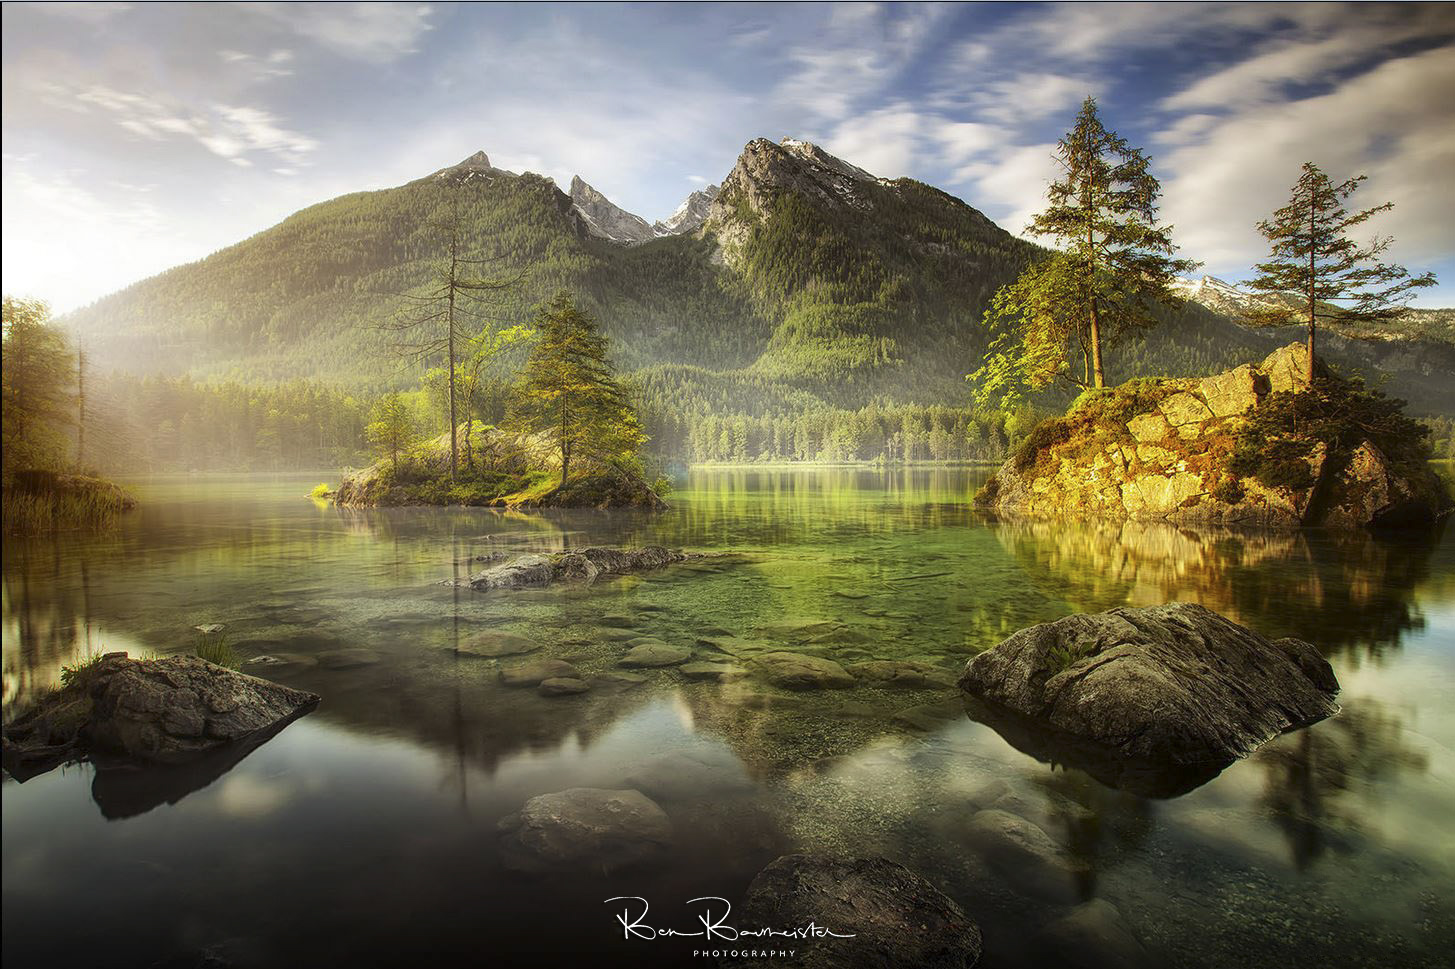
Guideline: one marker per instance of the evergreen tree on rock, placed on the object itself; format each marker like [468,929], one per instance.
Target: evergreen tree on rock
[1113,262]
[569,393]
[1314,258]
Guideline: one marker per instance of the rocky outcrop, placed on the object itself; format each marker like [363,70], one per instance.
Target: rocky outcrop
[1168,685]
[583,565]
[586,829]
[879,913]
[1169,450]
[148,712]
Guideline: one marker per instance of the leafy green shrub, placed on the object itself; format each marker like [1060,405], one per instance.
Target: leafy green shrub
[1276,440]
[1229,491]
[320,491]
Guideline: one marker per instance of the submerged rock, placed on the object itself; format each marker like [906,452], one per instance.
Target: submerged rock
[585,565]
[535,671]
[562,686]
[881,913]
[903,674]
[653,654]
[1173,685]
[585,828]
[798,671]
[492,645]
[1092,936]
[1025,855]
[157,711]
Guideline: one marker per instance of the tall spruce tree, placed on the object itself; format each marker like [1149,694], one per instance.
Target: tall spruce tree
[1114,262]
[569,393]
[1313,257]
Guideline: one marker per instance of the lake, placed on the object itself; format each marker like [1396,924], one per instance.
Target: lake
[367,833]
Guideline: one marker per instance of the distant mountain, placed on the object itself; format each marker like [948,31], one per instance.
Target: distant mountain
[605,219]
[1436,325]
[690,215]
[803,281]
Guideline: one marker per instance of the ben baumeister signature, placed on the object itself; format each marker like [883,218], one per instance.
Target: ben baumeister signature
[633,916]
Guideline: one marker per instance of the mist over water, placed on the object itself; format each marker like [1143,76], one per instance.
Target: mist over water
[366,833]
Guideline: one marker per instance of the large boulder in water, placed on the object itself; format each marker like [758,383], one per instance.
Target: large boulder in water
[150,712]
[1170,685]
[881,913]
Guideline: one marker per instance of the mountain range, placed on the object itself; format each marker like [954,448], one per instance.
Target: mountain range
[802,281]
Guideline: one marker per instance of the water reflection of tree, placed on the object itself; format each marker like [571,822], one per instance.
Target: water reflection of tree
[47,594]
[1089,818]
[1350,593]
[1312,778]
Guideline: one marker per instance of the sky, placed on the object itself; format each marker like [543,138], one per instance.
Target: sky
[140,136]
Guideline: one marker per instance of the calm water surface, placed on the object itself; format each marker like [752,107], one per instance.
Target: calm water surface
[366,833]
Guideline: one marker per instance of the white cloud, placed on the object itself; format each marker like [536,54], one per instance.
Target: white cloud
[230,132]
[374,32]
[1396,122]
[885,142]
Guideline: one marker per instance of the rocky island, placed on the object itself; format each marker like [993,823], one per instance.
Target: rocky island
[506,470]
[1251,446]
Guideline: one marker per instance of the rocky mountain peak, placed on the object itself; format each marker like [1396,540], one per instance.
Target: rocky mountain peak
[603,218]
[477,160]
[690,215]
[766,170]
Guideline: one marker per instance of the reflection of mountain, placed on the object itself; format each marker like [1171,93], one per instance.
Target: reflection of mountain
[1316,780]
[1349,591]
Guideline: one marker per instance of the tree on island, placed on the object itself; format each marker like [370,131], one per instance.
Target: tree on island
[1313,256]
[435,322]
[1113,263]
[569,393]
[392,428]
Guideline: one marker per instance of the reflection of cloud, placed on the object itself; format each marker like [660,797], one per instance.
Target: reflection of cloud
[246,795]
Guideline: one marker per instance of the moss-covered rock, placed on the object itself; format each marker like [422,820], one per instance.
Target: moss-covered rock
[1251,446]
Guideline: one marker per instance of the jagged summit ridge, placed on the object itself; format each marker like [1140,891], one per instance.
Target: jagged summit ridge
[604,218]
[690,215]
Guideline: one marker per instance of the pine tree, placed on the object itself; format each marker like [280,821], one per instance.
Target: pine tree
[1115,261]
[569,392]
[392,429]
[1313,256]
